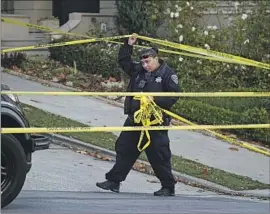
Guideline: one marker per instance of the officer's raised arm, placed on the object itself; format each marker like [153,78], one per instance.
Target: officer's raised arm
[171,84]
[124,56]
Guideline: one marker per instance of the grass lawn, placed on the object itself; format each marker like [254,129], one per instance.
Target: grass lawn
[40,118]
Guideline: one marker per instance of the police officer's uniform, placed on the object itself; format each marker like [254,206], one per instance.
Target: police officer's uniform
[163,79]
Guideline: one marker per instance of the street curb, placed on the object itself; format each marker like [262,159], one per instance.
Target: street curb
[75,144]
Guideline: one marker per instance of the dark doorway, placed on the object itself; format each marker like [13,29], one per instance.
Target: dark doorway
[62,8]
[7,6]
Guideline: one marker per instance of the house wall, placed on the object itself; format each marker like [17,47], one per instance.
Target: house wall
[36,10]
[104,19]
[41,9]
[8,31]
[40,12]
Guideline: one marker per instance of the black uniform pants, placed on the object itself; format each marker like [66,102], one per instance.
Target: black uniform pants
[158,154]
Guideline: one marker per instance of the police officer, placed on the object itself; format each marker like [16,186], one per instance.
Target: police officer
[150,75]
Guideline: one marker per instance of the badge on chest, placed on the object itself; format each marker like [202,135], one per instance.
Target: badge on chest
[147,79]
[158,79]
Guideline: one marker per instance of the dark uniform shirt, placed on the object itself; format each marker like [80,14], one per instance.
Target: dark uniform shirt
[164,79]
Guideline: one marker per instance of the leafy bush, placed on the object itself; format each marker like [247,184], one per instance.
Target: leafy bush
[12,59]
[140,16]
[203,113]
[93,58]
[238,39]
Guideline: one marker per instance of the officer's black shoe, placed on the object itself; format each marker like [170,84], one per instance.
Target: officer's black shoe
[165,192]
[109,185]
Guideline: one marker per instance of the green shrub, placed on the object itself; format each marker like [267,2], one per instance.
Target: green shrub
[93,58]
[12,59]
[237,104]
[205,114]
[247,36]
[142,17]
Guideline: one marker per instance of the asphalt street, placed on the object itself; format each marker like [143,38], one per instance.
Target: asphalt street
[188,144]
[63,181]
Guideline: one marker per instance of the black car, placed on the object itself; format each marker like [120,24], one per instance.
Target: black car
[16,149]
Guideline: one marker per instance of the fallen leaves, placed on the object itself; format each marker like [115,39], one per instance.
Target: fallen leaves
[95,154]
[56,72]
[234,149]
[141,167]
[82,152]
[153,181]
[185,181]
[15,68]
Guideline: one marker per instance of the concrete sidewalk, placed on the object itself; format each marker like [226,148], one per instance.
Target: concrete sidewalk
[188,144]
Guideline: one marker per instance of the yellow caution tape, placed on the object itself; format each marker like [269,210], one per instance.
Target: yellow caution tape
[206,52]
[40,27]
[76,42]
[215,56]
[131,128]
[142,128]
[200,56]
[158,94]
[143,116]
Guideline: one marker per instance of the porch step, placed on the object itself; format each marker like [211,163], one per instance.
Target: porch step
[23,42]
[12,43]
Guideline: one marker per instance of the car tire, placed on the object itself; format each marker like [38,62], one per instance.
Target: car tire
[13,168]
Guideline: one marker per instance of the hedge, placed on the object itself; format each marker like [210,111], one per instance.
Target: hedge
[93,58]
[203,113]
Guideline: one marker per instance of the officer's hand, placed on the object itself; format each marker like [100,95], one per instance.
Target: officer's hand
[132,39]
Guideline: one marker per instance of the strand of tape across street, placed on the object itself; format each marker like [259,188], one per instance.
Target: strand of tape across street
[206,52]
[157,94]
[139,128]
[215,57]
[131,128]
